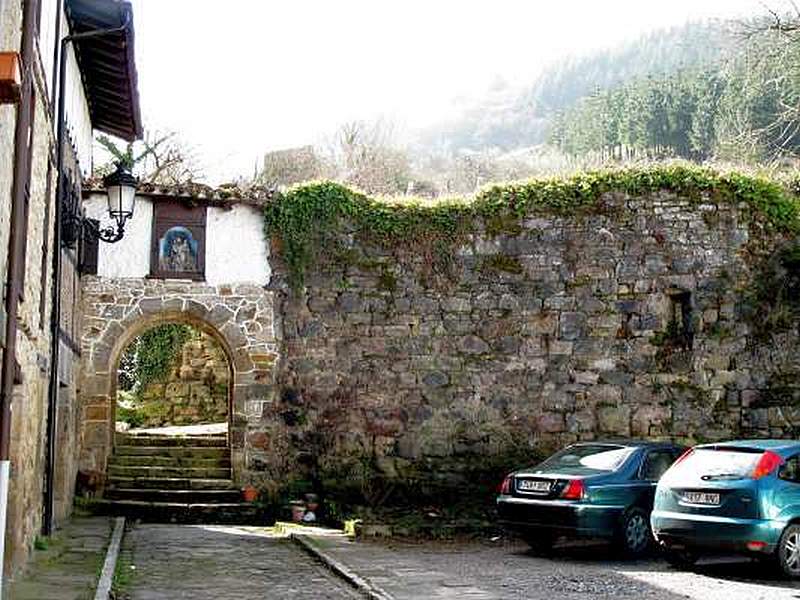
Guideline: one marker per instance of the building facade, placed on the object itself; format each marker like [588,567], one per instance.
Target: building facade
[41,420]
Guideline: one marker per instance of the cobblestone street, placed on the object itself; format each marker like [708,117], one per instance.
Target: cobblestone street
[210,562]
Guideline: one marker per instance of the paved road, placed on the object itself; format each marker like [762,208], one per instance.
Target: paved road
[212,562]
[507,570]
[205,562]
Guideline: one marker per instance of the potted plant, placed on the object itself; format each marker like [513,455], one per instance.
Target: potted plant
[249,493]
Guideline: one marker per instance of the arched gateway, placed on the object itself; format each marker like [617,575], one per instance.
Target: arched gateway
[224,296]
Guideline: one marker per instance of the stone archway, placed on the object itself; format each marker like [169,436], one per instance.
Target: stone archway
[239,318]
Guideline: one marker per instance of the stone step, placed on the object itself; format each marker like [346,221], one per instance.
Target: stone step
[134,460]
[161,472]
[174,452]
[169,483]
[186,496]
[240,513]
[214,441]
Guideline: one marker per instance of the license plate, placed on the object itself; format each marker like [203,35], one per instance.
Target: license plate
[529,485]
[700,498]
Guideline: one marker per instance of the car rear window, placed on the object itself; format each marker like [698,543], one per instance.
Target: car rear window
[717,463]
[600,457]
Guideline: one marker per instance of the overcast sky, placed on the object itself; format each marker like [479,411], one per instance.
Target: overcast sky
[240,77]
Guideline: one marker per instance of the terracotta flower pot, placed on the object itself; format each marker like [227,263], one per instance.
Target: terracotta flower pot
[249,494]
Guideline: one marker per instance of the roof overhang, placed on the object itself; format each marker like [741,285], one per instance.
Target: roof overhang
[107,65]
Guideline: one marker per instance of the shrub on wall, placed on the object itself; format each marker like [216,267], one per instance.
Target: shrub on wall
[308,220]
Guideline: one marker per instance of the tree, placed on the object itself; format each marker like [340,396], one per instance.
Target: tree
[159,158]
[368,157]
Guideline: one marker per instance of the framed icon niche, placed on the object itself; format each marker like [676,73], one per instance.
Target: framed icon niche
[179,241]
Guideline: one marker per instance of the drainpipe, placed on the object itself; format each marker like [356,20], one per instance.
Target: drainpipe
[55,324]
[56,48]
[16,251]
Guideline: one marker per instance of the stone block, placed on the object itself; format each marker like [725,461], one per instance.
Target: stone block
[472,344]
[571,325]
[551,422]
[436,379]
[614,420]
[151,306]
[96,413]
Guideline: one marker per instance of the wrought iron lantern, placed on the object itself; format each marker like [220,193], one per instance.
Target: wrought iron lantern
[121,191]
[121,197]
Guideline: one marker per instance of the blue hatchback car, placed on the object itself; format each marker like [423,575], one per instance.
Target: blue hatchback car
[740,496]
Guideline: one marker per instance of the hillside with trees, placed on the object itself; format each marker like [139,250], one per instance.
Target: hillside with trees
[712,91]
[743,109]
[508,119]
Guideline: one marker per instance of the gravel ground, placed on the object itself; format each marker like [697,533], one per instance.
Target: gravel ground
[507,569]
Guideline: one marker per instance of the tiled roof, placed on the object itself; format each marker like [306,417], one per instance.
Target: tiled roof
[200,193]
[107,65]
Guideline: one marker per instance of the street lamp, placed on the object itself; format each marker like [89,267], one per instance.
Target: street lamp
[121,198]
[121,192]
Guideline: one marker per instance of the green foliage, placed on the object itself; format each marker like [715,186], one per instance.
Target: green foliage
[134,417]
[317,218]
[772,303]
[387,281]
[502,263]
[742,110]
[508,119]
[123,576]
[150,356]
[41,543]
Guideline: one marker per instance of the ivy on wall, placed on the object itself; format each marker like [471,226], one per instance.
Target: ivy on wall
[308,219]
[151,355]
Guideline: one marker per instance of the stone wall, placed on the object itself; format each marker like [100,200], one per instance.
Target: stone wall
[30,396]
[238,317]
[624,321]
[194,391]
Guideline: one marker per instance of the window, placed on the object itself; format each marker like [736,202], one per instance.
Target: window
[679,328]
[656,464]
[179,240]
[600,457]
[790,471]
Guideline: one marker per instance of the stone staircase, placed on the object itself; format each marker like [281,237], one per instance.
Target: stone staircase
[177,479]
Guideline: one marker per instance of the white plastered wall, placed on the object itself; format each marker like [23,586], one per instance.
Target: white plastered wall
[129,257]
[236,250]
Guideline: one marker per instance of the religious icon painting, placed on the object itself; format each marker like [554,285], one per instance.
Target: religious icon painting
[178,250]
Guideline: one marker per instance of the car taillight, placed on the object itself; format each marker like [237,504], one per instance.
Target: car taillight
[574,491]
[768,462]
[505,487]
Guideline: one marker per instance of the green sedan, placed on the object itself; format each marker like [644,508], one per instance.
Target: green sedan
[587,490]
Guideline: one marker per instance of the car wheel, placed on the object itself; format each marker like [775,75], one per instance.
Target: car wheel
[681,559]
[634,533]
[540,543]
[789,551]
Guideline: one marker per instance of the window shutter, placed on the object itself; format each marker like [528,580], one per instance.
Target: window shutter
[90,249]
